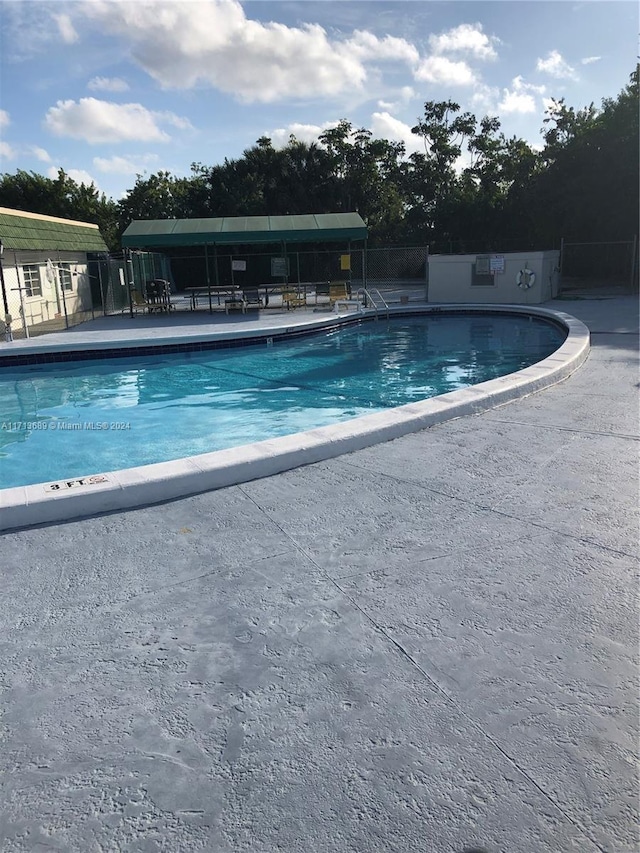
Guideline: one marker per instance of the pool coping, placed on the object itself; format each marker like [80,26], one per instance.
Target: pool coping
[26,506]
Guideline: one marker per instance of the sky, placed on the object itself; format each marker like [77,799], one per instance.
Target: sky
[111,89]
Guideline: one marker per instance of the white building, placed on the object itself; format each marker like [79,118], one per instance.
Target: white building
[521,278]
[45,271]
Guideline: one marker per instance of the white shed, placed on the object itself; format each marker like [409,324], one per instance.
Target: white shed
[521,278]
[45,275]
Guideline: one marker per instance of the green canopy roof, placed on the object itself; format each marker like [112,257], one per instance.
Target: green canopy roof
[234,230]
[38,233]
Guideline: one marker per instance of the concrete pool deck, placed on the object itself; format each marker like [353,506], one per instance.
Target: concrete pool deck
[425,645]
[121,329]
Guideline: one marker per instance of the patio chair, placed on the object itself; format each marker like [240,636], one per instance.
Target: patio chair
[138,303]
[322,289]
[252,297]
[160,294]
[293,300]
[338,291]
[235,301]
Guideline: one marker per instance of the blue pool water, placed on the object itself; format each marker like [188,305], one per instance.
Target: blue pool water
[75,419]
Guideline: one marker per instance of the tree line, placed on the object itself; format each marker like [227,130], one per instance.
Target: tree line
[582,184]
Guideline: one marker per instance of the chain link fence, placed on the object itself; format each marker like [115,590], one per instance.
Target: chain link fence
[387,269]
[488,246]
[246,269]
[123,274]
[607,267]
[48,294]
[399,274]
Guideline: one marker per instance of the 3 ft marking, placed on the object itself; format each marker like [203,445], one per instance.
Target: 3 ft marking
[73,484]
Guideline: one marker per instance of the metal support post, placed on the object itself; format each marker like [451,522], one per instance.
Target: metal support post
[8,334]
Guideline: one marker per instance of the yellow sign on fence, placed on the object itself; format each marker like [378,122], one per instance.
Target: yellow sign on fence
[345,262]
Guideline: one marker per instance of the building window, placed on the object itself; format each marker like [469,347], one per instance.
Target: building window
[481,275]
[32,281]
[64,271]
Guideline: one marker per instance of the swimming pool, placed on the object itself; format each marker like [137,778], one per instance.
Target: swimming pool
[75,419]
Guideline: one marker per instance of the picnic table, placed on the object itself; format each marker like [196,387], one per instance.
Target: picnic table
[216,291]
[220,293]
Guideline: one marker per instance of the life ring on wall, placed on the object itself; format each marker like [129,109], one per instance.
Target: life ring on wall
[525,279]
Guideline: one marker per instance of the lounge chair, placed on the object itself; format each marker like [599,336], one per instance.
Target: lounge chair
[293,300]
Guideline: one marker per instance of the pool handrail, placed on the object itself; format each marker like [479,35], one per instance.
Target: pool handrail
[367,296]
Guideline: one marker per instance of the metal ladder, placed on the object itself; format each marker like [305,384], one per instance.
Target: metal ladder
[369,299]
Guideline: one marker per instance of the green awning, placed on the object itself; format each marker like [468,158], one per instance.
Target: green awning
[37,233]
[234,230]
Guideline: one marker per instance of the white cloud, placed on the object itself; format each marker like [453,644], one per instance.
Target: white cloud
[485,98]
[517,102]
[171,118]
[41,154]
[383,126]
[588,60]
[221,47]
[462,162]
[439,69]
[107,84]
[366,45]
[6,151]
[303,132]
[386,126]
[77,175]
[556,66]
[9,152]
[66,29]
[124,165]
[95,121]
[521,97]
[520,86]
[80,176]
[405,95]
[5,121]
[465,38]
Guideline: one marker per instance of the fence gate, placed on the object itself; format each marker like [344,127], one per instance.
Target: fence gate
[607,267]
[118,273]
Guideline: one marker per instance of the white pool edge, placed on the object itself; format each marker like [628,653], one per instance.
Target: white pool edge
[26,506]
